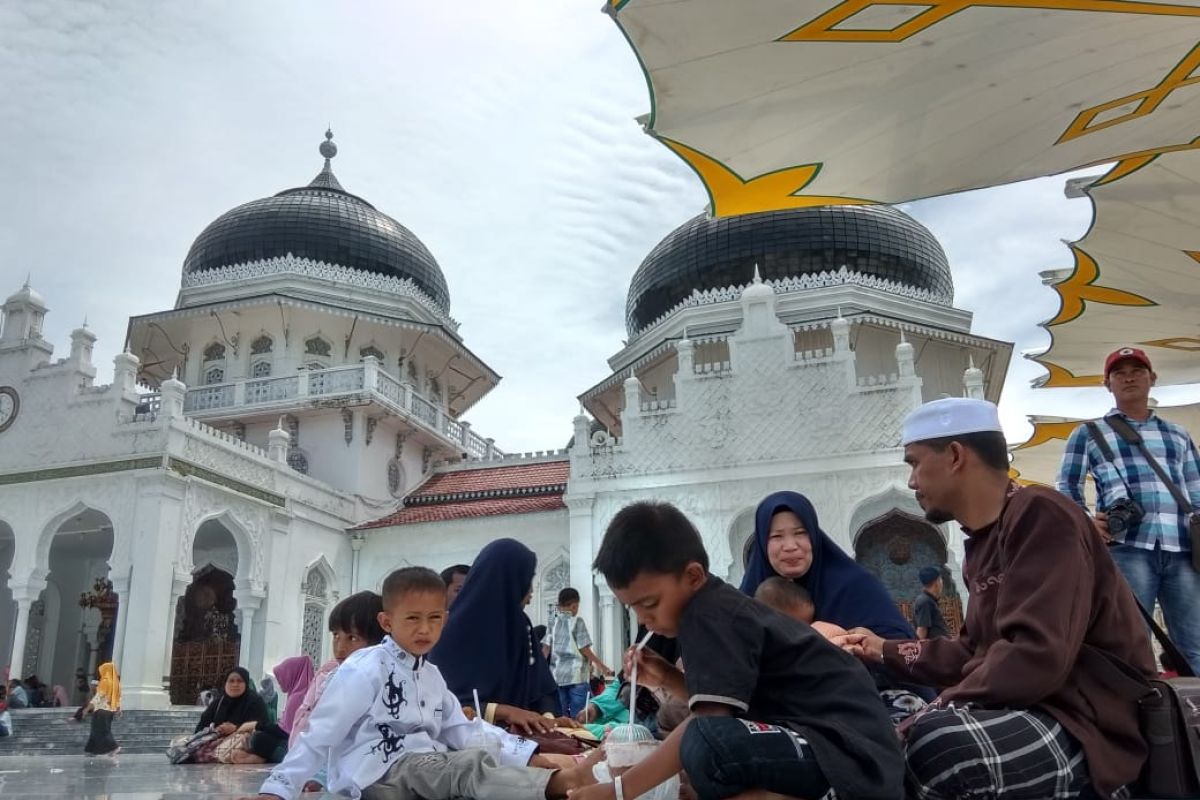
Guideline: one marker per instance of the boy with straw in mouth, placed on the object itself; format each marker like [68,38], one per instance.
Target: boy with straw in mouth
[775,708]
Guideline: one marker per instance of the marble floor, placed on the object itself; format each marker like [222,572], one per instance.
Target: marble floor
[132,777]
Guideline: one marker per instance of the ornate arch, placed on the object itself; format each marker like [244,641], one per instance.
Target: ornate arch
[552,579]
[895,497]
[243,539]
[739,538]
[317,595]
[51,527]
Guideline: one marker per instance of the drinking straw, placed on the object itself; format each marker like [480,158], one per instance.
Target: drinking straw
[478,710]
[633,678]
[587,702]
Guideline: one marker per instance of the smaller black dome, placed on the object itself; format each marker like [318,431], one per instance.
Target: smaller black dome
[714,253]
[321,222]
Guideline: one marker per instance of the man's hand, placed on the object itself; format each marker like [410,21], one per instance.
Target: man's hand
[566,722]
[863,643]
[226,728]
[589,714]
[1101,523]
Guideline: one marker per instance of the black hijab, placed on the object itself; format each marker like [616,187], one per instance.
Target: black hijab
[488,644]
[236,710]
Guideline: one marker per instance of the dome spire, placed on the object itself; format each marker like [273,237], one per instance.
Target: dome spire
[325,178]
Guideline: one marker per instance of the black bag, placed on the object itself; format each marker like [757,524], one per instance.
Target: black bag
[1168,717]
[1126,432]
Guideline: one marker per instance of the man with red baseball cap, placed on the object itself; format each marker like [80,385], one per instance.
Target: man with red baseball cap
[1149,532]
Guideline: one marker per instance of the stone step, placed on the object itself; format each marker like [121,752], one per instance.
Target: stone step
[53,730]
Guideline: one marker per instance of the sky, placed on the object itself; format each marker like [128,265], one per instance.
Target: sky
[502,134]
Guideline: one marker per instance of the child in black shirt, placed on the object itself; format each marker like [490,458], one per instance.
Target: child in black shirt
[775,707]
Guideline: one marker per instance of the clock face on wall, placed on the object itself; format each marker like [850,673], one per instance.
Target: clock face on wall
[10,404]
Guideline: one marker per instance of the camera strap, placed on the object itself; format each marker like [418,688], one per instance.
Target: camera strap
[1126,432]
[1106,451]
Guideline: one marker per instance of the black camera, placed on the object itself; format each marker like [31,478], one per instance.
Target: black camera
[1123,514]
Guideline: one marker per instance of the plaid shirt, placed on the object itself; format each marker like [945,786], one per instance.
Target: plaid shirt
[566,636]
[1164,523]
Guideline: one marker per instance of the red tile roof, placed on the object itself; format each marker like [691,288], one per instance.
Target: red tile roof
[483,492]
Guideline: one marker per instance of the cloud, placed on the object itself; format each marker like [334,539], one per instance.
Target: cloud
[502,135]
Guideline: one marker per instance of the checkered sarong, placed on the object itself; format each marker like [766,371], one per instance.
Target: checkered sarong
[960,752]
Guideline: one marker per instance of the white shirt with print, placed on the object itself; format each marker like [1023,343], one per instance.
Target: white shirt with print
[381,704]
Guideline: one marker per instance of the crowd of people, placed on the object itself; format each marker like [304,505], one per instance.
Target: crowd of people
[805,681]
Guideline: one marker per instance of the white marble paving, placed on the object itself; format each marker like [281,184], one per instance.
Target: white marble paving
[132,777]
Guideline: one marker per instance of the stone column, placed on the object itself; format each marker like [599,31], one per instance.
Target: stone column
[120,583]
[157,516]
[25,593]
[579,533]
[611,646]
[249,599]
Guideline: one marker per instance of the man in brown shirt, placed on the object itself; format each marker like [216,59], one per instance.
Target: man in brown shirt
[1024,712]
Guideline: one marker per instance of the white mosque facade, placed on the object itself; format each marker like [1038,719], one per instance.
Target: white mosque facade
[294,429]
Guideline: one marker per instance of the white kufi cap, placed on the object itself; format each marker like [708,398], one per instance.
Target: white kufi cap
[951,416]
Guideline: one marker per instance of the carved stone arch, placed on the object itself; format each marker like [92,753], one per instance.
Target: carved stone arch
[894,497]
[213,352]
[51,527]
[318,345]
[317,596]
[243,539]
[552,578]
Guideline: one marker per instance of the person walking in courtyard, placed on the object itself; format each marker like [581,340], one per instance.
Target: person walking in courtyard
[1027,711]
[104,705]
[927,614]
[568,647]
[1153,536]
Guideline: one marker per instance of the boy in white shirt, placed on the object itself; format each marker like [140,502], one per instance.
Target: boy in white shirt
[389,729]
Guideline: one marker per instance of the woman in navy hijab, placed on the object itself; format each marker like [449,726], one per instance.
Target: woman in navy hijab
[488,645]
[789,542]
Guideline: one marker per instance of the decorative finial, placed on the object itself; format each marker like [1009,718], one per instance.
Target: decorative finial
[84,321]
[175,372]
[328,148]
[970,361]
[279,427]
[903,338]
[757,276]
[28,278]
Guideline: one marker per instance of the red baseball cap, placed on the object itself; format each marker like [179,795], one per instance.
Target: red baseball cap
[1131,353]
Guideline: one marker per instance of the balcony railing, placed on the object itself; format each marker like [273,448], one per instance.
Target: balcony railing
[264,393]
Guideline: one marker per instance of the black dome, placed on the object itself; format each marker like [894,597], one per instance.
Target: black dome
[321,222]
[706,253]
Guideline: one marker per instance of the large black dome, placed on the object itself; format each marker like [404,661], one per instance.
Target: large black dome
[706,253]
[322,222]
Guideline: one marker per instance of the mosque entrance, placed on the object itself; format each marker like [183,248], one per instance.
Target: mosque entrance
[895,548]
[72,624]
[206,642]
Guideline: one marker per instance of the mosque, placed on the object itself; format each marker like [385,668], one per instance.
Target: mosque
[295,428]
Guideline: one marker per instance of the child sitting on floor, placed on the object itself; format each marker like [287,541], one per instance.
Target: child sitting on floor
[354,623]
[775,708]
[389,727]
[787,597]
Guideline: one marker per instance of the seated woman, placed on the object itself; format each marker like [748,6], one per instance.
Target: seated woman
[235,714]
[488,645]
[789,543]
[270,742]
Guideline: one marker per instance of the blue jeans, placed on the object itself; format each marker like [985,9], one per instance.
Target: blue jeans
[724,756]
[571,698]
[1168,578]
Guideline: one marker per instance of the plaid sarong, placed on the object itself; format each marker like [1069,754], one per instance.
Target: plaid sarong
[961,752]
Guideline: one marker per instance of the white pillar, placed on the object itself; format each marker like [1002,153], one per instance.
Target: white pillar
[25,593]
[18,645]
[610,628]
[178,588]
[249,600]
[120,584]
[356,544]
[579,532]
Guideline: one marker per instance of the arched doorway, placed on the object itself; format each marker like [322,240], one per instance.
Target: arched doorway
[207,641]
[895,547]
[73,623]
